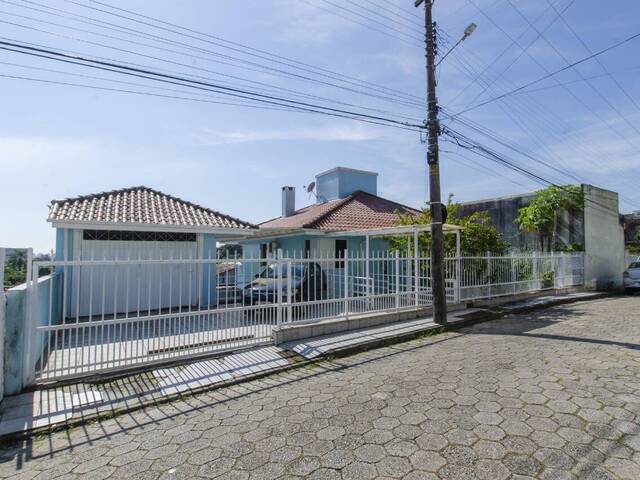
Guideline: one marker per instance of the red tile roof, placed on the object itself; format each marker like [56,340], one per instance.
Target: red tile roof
[360,210]
[139,205]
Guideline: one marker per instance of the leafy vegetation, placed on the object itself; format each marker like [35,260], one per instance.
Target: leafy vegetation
[541,215]
[477,238]
[15,270]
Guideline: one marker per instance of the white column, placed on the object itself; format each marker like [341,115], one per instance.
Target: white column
[458,293]
[416,266]
[346,283]
[366,265]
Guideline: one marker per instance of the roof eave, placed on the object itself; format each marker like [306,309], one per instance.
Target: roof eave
[146,227]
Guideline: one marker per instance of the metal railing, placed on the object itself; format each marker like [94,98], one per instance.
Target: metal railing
[495,276]
[92,316]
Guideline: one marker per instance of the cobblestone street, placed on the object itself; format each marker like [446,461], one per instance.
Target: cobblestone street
[549,394]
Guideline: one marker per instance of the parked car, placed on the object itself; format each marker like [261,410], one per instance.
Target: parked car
[229,294]
[631,278]
[308,283]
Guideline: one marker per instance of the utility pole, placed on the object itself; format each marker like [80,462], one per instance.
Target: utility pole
[433,131]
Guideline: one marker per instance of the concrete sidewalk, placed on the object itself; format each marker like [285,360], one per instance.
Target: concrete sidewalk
[72,405]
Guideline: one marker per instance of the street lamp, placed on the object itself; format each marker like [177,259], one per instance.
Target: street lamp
[467,32]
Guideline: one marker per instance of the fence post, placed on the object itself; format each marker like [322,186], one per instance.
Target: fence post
[346,284]
[513,274]
[458,283]
[416,267]
[31,307]
[536,280]
[489,272]
[279,287]
[289,306]
[397,266]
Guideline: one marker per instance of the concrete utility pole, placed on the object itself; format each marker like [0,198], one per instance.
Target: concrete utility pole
[433,130]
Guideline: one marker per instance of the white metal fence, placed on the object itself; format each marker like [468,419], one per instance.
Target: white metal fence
[630,258]
[100,315]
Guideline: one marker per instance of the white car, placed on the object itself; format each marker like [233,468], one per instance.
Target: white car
[631,278]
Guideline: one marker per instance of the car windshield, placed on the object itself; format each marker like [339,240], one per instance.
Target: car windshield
[634,265]
[272,271]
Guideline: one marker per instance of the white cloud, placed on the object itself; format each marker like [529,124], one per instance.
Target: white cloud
[308,24]
[18,153]
[346,133]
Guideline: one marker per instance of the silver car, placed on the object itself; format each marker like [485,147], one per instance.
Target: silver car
[631,278]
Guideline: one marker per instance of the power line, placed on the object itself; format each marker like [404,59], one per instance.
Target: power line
[515,42]
[235,92]
[150,94]
[400,32]
[411,17]
[607,72]
[272,87]
[410,25]
[596,90]
[121,82]
[573,82]
[247,65]
[220,42]
[362,24]
[546,126]
[552,74]
[478,148]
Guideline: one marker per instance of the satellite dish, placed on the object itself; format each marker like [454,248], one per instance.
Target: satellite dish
[310,187]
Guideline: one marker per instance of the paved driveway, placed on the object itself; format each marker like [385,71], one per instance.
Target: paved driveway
[551,394]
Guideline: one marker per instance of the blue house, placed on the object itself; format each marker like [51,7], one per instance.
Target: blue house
[348,215]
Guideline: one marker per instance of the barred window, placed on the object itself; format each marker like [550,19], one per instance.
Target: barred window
[133,236]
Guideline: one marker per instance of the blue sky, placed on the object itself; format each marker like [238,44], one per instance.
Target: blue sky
[59,141]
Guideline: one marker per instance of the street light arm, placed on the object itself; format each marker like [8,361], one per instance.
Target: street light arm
[467,32]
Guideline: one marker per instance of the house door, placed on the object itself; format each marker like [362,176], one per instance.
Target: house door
[135,287]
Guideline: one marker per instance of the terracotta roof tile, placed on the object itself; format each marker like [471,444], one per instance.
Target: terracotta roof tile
[139,205]
[360,210]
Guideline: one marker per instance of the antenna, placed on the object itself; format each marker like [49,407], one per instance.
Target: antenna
[310,188]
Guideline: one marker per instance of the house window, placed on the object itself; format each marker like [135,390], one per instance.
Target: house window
[132,236]
[307,248]
[341,248]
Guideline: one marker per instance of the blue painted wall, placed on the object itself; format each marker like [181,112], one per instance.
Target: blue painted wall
[338,184]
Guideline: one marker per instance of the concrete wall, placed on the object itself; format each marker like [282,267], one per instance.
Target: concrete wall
[598,229]
[16,327]
[604,239]
[503,212]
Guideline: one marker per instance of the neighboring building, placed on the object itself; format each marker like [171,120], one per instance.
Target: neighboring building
[632,228]
[597,230]
[131,224]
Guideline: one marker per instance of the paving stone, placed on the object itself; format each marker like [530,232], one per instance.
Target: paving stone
[493,405]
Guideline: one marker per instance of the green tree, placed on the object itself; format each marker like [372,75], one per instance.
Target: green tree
[15,270]
[541,215]
[477,237]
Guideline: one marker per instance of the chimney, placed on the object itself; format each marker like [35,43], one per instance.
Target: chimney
[288,201]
